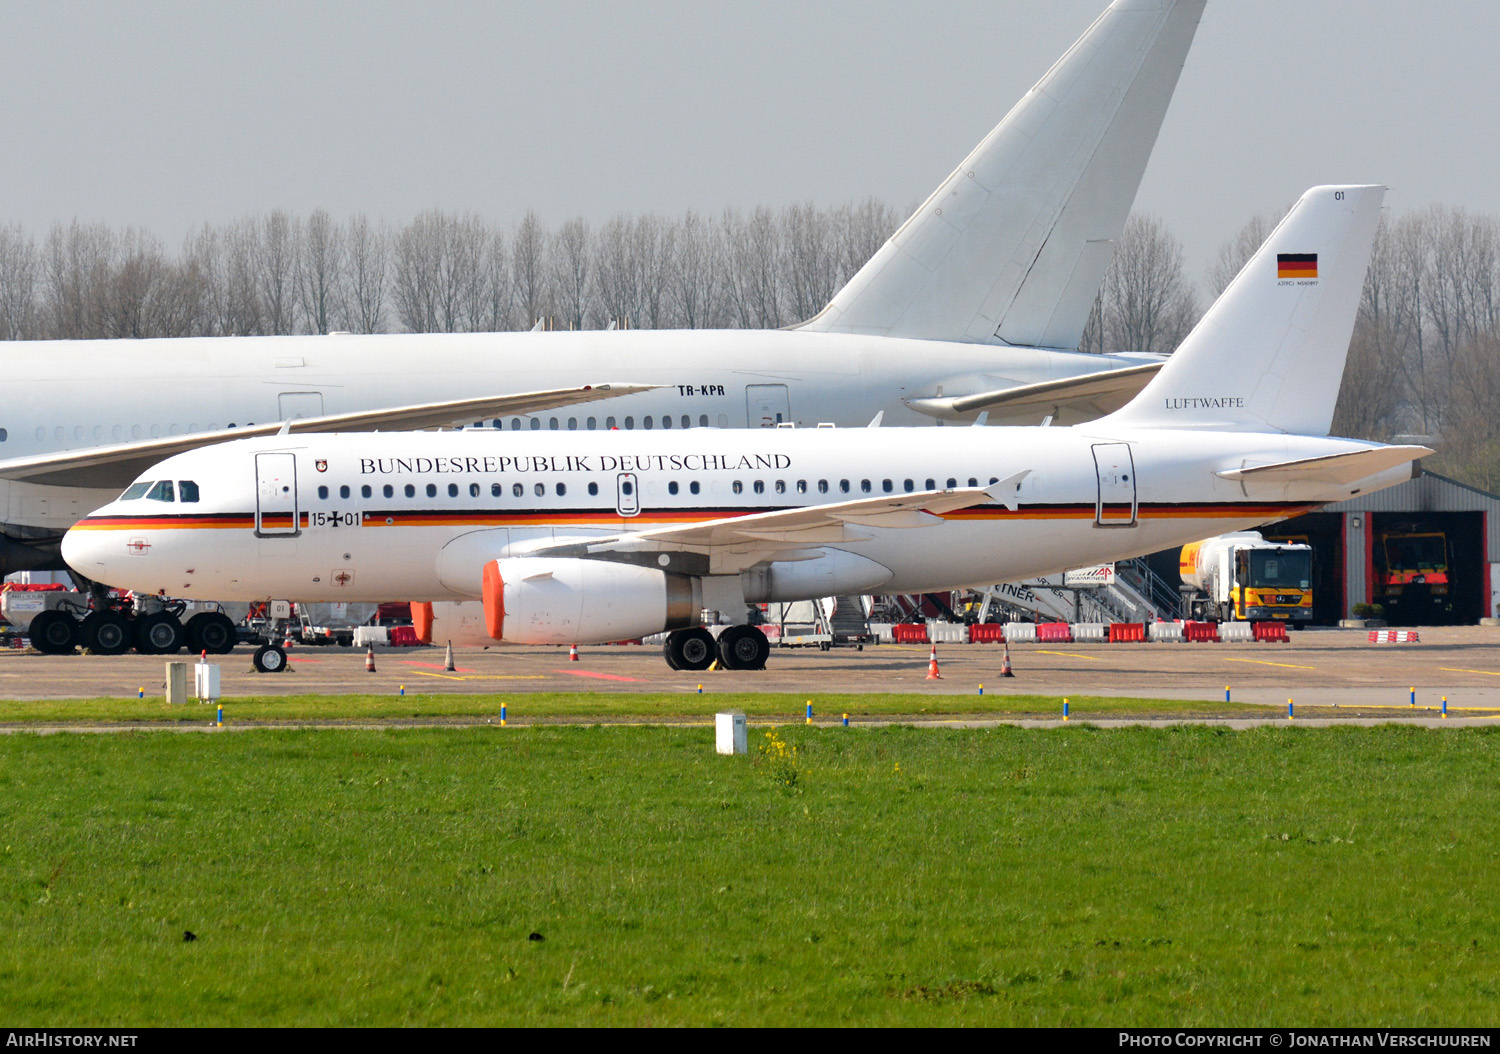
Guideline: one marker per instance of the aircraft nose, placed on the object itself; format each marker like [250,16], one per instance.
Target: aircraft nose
[91,552]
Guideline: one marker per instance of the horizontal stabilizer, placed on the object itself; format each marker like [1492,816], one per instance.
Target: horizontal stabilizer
[117,465]
[1332,468]
[1086,396]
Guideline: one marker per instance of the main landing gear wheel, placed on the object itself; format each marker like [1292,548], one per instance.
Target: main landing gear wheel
[743,648]
[269,658]
[690,649]
[159,634]
[107,633]
[211,631]
[54,633]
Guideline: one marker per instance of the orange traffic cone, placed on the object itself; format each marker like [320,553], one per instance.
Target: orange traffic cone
[448,666]
[370,659]
[932,666]
[1005,670]
[572,653]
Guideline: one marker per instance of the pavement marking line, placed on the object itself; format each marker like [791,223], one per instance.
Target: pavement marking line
[1071,655]
[1263,662]
[432,665]
[1450,669]
[482,677]
[601,676]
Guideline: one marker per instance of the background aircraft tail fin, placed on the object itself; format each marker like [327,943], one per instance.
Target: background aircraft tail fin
[1269,355]
[1011,248]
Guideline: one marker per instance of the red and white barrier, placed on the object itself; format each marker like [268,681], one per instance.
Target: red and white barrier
[1394,636]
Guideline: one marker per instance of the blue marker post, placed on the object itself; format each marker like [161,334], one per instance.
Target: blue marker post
[1445,708]
[403,689]
[1226,693]
[1065,709]
[1413,697]
[140,693]
[502,713]
[219,718]
[981,689]
[700,689]
[846,720]
[809,711]
[1288,709]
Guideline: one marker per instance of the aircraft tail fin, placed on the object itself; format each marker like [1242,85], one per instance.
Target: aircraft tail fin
[1011,248]
[1269,354]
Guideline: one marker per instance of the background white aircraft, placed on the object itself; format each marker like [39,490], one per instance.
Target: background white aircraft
[578,538]
[969,308]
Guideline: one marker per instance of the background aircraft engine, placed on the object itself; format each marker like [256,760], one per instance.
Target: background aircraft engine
[834,573]
[545,600]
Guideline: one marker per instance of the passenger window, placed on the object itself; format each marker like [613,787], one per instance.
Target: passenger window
[886,486]
[822,486]
[952,483]
[630,422]
[994,480]
[496,490]
[593,423]
[666,421]
[411,490]
[364,491]
[909,486]
[540,489]
[536,424]
[973,482]
[760,486]
[473,490]
[781,486]
[802,486]
[703,420]
[562,488]
[344,491]
[517,489]
[693,487]
[161,492]
[609,422]
[515,424]
[187,490]
[736,486]
[432,490]
[552,423]
[322,494]
[572,424]
[843,486]
[931,485]
[593,489]
[687,422]
[864,486]
[672,487]
[646,424]
[389,490]
[136,490]
[453,490]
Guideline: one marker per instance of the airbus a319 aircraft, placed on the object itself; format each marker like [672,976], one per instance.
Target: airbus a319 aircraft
[572,538]
[976,305]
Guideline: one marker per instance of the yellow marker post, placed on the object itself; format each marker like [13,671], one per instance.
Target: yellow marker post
[1288,709]
[1065,709]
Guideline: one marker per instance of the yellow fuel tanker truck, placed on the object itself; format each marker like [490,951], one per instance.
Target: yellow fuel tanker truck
[1241,576]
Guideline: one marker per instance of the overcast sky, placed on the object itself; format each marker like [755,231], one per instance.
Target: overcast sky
[167,115]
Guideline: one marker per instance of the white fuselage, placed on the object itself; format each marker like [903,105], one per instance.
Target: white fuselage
[70,395]
[418,515]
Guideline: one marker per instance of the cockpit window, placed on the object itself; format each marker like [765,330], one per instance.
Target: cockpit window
[136,490]
[162,491]
[187,490]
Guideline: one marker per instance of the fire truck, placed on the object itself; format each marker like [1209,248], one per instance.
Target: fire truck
[1241,576]
[1411,575]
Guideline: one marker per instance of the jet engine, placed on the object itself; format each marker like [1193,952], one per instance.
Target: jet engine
[553,600]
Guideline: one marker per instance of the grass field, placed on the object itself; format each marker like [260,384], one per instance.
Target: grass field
[1182,876]
[648,706]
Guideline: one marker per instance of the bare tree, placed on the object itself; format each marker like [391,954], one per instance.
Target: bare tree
[320,270]
[569,257]
[276,271]
[20,266]
[530,271]
[363,288]
[1236,252]
[1147,304]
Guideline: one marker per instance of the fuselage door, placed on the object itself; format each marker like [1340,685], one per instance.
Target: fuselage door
[627,494]
[294,405]
[1117,494]
[275,494]
[766,405]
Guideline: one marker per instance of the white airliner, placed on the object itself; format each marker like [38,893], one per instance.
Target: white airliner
[970,308]
[580,537]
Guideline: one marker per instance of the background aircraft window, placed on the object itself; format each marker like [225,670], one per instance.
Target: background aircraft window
[411,490]
[843,486]
[432,490]
[693,486]
[952,483]
[994,480]
[802,486]
[909,486]
[687,422]
[672,487]
[703,420]
[41,433]
[155,432]
[515,424]
[973,482]
[781,486]
[540,489]
[647,422]
[322,493]
[630,422]
[114,433]
[572,424]
[593,489]
[135,490]
[562,488]
[135,431]
[864,486]
[453,490]
[609,422]
[736,486]
[723,420]
[161,492]
[822,486]
[931,485]
[344,491]
[98,432]
[78,431]
[58,433]
[760,486]
[536,424]
[495,490]
[592,423]
[886,486]
[552,423]
[364,491]
[666,420]
[517,490]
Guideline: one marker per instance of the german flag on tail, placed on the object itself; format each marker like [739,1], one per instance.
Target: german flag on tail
[1296,265]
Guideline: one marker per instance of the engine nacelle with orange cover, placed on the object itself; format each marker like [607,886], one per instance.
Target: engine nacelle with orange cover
[556,600]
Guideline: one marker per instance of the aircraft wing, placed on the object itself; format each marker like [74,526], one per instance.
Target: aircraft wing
[1332,468]
[118,464]
[1091,395]
[786,534]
